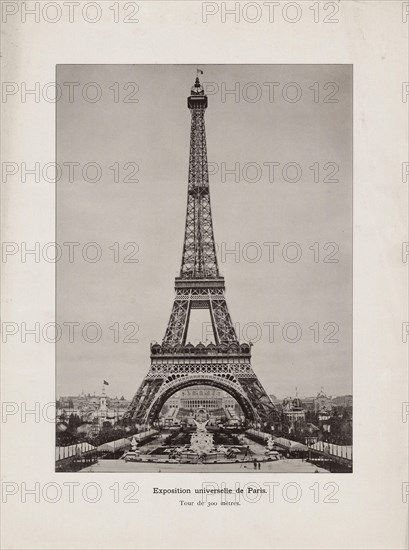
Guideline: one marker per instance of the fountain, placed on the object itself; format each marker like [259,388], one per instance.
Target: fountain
[203,446]
[201,441]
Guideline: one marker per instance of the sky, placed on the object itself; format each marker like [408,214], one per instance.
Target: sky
[132,122]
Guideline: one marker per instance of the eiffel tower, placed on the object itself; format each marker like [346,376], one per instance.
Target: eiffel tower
[175,364]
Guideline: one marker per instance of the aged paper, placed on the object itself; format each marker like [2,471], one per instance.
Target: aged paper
[204,275]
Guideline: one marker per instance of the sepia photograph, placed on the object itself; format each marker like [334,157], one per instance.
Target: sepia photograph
[204,278]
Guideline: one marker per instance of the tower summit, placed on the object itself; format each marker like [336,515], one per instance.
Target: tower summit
[176,364]
[199,252]
[199,285]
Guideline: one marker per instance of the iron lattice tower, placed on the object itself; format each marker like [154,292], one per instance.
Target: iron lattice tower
[176,364]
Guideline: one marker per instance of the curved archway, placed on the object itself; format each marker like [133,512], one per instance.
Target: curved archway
[182,383]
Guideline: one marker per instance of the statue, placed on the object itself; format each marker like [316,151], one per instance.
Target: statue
[200,426]
[270,443]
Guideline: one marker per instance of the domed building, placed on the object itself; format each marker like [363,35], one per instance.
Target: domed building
[293,409]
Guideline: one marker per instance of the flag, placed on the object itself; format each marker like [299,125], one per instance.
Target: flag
[199,71]
[106,383]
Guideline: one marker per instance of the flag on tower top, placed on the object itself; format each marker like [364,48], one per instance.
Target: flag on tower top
[106,383]
[199,71]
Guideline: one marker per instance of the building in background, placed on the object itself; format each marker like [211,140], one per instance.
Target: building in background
[343,401]
[95,409]
[184,406]
[323,403]
[293,409]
